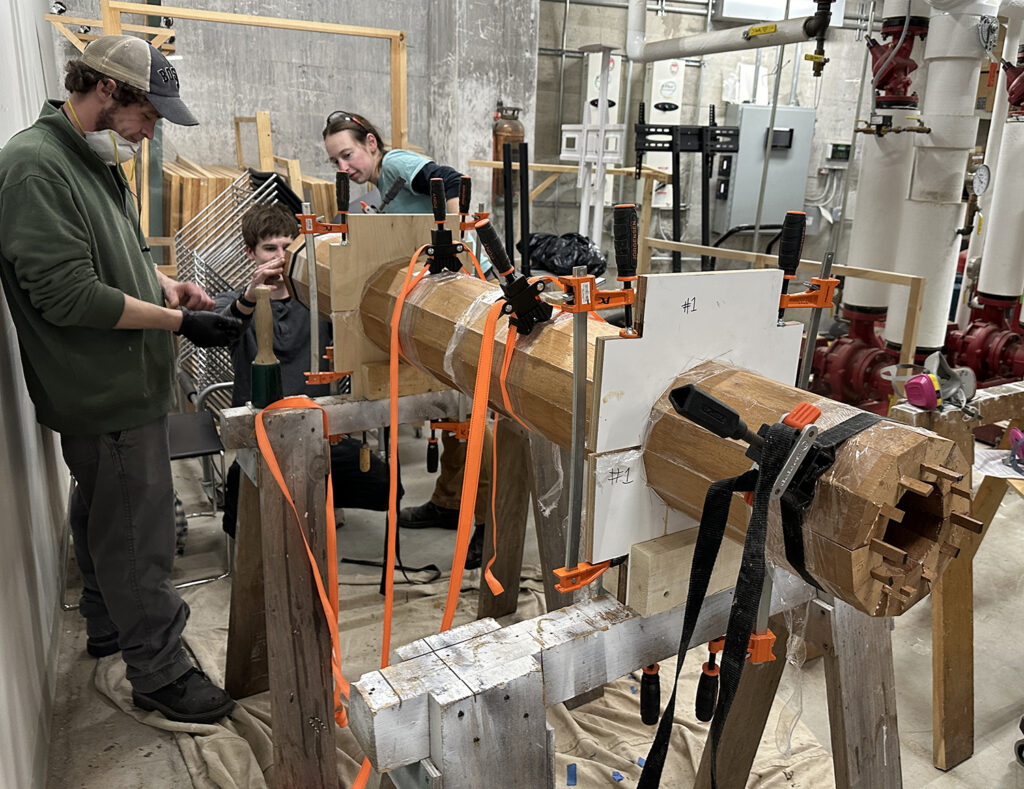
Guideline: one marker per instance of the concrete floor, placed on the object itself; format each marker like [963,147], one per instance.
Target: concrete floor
[95,746]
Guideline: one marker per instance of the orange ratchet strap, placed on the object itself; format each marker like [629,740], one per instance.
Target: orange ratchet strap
[471,475]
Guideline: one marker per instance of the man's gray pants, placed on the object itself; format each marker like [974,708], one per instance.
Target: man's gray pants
[122,520]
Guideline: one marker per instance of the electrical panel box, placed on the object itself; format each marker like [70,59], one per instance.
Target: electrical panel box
[664,102]
[738,175]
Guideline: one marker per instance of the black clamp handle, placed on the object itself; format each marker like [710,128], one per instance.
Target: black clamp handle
[465,194]
[342,191]
[625,231]
[437,200]
[791,247]
[712,414]
[523,303]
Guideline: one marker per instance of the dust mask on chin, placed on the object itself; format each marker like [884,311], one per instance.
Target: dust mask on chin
[111,147]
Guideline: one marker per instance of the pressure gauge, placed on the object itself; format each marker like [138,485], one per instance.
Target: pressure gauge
[981,180]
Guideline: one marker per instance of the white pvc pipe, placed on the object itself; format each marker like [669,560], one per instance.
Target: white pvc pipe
[639,50]
[929,246]
[882,189]
[1003,195]
[1002,268]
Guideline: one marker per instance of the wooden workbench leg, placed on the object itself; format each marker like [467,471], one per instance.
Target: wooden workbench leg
[298,639]
[953,640]
[747,718]
[861,693]
[550,467]
[245,672]
[511,479]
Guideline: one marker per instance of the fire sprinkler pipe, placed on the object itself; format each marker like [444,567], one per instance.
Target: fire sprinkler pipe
[735,39]
[928,244]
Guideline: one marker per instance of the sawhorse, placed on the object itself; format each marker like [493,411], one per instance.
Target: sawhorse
[953,596]
[278,638]
[469,703]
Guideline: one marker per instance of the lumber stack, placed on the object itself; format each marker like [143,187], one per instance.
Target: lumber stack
[886,519]
[189,188]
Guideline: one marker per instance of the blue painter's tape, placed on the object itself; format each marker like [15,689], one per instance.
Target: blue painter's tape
[616,776]
[570,774]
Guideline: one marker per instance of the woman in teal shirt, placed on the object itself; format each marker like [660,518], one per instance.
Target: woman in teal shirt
[355,147]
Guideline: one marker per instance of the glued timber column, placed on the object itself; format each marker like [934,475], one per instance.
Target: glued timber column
[885,518]
[883,524]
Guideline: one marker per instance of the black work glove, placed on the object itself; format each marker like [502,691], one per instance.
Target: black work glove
[209,329]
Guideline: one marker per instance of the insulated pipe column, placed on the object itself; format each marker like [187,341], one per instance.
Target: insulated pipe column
[881,192]
[929,245]
[1002,275]
[882,188]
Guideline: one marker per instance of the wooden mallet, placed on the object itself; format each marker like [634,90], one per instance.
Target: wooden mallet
[266,370]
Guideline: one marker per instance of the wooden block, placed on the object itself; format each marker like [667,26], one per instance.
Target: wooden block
[891,512]
[882,574]
[411,380]
[972,525]
[949,549]
[941,472]
[659,571]
[916,486]
[963,493]
[890,552]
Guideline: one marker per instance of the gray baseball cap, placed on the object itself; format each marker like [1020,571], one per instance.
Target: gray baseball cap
[135,62]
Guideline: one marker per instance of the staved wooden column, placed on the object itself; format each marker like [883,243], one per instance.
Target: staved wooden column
[886,519]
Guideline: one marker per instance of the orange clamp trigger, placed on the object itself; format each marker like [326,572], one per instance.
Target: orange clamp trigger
[459,429]
[803,415]
[583,574]
[717,645]
[761,647]
[748,497]
[323,378]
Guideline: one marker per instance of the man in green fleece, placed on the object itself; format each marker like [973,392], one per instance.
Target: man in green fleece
[95,338]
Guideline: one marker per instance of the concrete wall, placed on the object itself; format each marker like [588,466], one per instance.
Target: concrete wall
[33,486]
[463,55]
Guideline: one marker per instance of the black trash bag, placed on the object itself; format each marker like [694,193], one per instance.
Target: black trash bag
[559,254]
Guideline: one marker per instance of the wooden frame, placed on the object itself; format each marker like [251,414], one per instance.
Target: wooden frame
[112,10]
[264,143]
[161,36]
[563,169]
[761,260]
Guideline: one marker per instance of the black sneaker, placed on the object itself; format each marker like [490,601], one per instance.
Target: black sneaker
[475,554]
[428,516]
[191,698]
[103,646]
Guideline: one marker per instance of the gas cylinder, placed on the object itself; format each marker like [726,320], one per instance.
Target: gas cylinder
[507,128]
